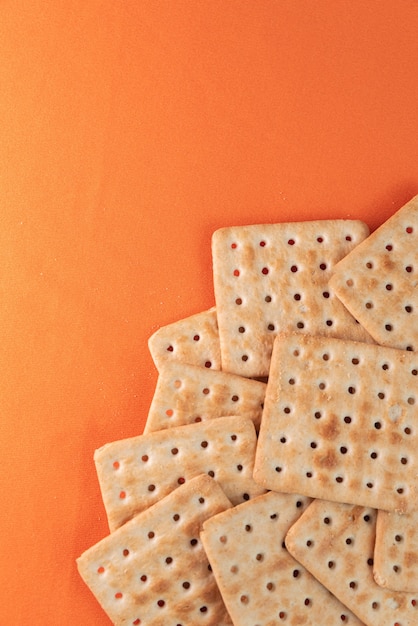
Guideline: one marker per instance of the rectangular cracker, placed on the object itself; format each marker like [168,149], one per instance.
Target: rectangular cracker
[270,278]
[194,339]
[339,419]
[153,571]
[135,473]
[260,582]
[377,281]
[335,542]
[396,551]
[187,393]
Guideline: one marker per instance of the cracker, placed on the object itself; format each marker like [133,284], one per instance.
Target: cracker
[153,571]
[137,472]
[335,542]
[194,339]
[377,281]
[396,551]
[187,393]
[260,582]
[339,422]
[273,278]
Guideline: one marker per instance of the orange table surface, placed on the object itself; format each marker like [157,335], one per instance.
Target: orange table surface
[130,131]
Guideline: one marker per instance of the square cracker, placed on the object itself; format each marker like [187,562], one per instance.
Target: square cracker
[135,473]
[396,551]
[153,571]
[273,278]
[194,339]
[377,281]
[335,542]
[260,582]
[340,423]
[187,393]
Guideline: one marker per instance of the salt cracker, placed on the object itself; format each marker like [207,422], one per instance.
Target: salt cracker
[187,393]
[273,278]
[377,281]
[135,473]
[153,571]
[260,582]
[335,542]
[396,551]
[194,339]
[339,422]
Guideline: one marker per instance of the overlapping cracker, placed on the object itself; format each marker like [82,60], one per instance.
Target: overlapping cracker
[396,551]
[273,278]
[187,393]
[194,340]
[378,280]
[335,542]
[135,473]
[340,422]
[153,571]
[260,582]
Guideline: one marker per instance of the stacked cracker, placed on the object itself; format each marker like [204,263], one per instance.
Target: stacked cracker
[276,480]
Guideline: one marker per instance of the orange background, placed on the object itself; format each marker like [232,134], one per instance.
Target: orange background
[130,130]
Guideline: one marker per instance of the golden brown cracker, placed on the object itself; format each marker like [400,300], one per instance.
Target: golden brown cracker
[135,473]
[194,339]
[274,277]
[377,281]
[260,582]
[187,393]
[339,422]
[335,542]
[153,571]
[396,551]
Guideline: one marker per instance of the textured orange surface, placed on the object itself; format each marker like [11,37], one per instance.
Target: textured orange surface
[129,132]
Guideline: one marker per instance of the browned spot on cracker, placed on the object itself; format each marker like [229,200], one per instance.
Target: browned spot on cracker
[248,254]
[323,479]
[160,585]
[327,460]
[330,428]
[280,564]
[365,408]
[410,558]
[371,284]
[387,263]
[311,257]
[395,438]
[299,620]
